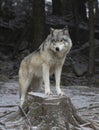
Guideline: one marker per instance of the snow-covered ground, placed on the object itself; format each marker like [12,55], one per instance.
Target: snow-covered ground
[85,99]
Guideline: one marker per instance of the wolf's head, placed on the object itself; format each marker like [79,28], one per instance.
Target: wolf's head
[60,40]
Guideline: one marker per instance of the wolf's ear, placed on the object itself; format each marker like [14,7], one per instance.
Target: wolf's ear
[65,31]
[52,31]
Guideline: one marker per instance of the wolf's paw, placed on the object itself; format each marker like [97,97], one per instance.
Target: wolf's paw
[49,93]
[60,93]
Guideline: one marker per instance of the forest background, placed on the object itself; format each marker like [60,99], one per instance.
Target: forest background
[24,24]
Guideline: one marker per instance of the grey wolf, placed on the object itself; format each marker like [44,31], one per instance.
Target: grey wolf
[47,60]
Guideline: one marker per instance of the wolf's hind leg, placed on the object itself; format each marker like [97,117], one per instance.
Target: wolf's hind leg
[24,89]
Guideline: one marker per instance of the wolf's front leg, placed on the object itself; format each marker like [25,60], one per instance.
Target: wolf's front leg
[57,78]
[46,78]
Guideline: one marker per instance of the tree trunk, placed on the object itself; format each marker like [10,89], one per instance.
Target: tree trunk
[96,13]
[96,6]
[56,7]
[66,7]
[41,112]
[82,10]
[38,23]
[91,39]
[76,19]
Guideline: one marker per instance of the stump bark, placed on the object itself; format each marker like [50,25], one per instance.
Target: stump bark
[41,112]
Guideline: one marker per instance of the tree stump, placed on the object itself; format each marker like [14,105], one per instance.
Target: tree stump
[41,112]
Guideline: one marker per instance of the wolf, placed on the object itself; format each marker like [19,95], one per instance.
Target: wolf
[48,59]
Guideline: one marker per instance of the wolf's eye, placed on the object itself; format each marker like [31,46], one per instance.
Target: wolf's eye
[53,40]
[65,40]
[61,40]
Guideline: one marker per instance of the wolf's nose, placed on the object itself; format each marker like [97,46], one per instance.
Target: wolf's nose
[57,49]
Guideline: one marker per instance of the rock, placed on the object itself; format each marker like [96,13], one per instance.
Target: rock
[80,68]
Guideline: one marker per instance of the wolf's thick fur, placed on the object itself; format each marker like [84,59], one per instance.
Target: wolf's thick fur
[48,59]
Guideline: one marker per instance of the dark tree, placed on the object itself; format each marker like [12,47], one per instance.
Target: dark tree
[97,12]
[0,7]
[56,7]
[79,15]
[91,39]
[96,5]
[82,9]
[76,19]
[38,23]
[66,7]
